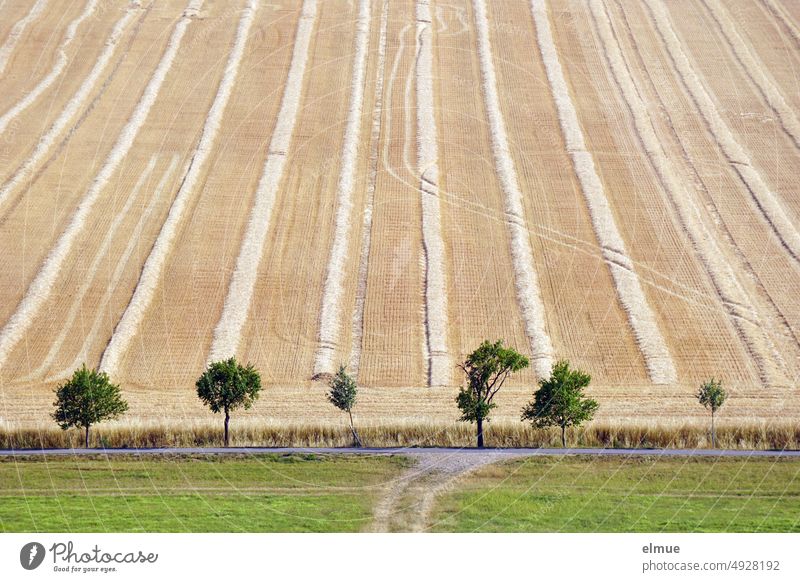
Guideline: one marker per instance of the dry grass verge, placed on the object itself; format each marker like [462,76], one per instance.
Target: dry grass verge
[741,435]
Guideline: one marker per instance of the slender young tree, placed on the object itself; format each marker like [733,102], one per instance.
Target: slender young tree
[226,386]
[712,396]
[342,394]
[560,401]
[486,369]
[86,399]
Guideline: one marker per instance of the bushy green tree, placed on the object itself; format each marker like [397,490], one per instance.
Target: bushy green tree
[342,394]
[486,369]
[712,396]
[86,399]
[560,401]
[227,385]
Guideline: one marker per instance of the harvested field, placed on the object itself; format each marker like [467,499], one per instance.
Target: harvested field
[386,183]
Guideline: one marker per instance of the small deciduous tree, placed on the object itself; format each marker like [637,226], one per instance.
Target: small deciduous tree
[560,401]
[712,396]
[227,385]
[342,394]
[487,368]
[86,399]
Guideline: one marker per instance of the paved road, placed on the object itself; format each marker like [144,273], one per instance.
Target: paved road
[510,453]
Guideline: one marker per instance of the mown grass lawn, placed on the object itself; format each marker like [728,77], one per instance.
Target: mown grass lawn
[582,494]
[265,493]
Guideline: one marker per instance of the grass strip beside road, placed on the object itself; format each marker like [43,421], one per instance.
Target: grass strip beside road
[644,494]
[259,493]
[326,492]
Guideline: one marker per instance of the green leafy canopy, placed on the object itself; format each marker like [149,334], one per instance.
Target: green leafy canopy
[87,398]
[486,369]
[560,401]
[712,395]
[343,390]
[227,385]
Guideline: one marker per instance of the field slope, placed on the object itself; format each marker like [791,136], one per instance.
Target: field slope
[386,184]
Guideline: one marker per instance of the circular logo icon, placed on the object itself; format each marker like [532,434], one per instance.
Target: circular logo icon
[31,555]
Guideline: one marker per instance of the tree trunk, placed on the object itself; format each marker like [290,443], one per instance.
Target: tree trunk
[713,432]
[227,420]
[356,440]
[86,441]
[564,436]
[480,433]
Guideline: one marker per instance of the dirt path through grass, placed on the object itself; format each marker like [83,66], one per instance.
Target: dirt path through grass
[407,501]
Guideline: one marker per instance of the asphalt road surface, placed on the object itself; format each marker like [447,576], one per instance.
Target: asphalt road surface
[510,453]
